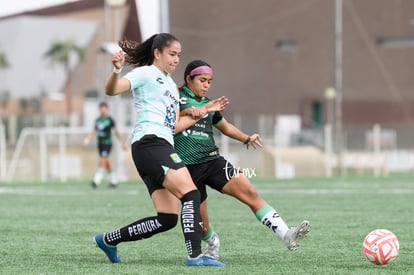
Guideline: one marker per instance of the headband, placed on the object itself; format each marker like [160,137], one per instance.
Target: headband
[201,70]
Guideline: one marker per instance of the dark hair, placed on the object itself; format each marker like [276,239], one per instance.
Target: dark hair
[191,66]
[103,104]
[143,54]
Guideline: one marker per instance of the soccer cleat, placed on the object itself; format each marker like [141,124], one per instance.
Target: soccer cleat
[94,185]
[295,235]
[113,185]
[213,247]
[203,260]
[109,250]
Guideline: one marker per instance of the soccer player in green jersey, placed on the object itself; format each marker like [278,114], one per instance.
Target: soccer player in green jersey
[104,125]
[196,147]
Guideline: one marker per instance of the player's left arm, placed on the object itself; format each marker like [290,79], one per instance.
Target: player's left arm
[233,132]
[120,138]
[184,121]
[215,105]
[189,116]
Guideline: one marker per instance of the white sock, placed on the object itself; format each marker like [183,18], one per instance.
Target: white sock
[269,217]
[113,178]
[99,175]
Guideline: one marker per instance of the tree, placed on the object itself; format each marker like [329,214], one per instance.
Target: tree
[3,61]
[59,53]
[4,94]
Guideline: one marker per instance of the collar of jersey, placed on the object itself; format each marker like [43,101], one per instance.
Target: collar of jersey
[188,91]
[159,71]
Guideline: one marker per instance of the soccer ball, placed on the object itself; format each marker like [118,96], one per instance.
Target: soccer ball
[380,246]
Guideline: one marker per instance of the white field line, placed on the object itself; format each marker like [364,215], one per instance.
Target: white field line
[337,191]
[43,192]
[275,190]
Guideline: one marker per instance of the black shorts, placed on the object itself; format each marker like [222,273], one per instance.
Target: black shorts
[153,156]
[214,173]
[104,150]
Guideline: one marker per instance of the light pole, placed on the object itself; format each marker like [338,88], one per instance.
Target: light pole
[116,6]
[164,16]
[338,81]
[330,95]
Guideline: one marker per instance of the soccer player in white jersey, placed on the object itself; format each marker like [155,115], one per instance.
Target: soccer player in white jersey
[156,103]
[197,148]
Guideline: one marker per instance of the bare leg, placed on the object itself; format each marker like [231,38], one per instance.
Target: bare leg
[179,182]
[241,188]
[204,217]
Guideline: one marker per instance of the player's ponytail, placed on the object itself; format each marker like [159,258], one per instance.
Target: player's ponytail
[143,54]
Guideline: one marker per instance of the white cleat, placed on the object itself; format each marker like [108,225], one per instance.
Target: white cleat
[296,234]
[213,247]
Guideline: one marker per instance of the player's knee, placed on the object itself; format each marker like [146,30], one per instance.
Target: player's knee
[168,221]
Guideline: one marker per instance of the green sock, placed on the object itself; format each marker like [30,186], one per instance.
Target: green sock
[268,216]
[207,237]
[263,211]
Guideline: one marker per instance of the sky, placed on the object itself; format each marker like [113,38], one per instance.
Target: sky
[8,7]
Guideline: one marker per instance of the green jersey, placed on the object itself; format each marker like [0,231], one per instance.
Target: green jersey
[196,144]
[103,127]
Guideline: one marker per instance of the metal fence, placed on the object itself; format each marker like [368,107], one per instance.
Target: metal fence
[55,153]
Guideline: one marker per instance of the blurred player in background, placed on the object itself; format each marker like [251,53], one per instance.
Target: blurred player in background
[197,148]
[104,125]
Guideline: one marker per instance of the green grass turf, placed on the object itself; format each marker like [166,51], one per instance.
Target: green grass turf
[48,228]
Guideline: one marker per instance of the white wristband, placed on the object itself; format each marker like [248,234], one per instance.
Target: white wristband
[117,71]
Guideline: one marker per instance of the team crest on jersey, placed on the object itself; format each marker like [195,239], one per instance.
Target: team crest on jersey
[170,117]
[175,158]
[159,80]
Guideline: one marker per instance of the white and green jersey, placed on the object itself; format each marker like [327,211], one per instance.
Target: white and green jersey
[103,127]
[196,144]
[156,102]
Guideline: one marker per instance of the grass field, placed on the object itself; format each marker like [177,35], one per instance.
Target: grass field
[48,228]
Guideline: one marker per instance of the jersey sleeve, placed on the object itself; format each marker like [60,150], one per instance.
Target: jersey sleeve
[217,117]
[113,125]
[137,78]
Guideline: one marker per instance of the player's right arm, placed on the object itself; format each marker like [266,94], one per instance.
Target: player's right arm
[114,84]
[88,138]
[233,132]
